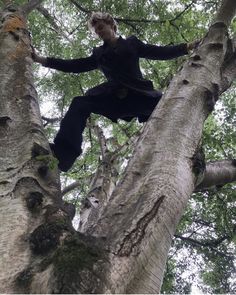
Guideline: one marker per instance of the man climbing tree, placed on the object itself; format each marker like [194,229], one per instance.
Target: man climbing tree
[126,94]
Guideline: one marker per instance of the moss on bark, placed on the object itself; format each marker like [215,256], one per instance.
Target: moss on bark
[76,262]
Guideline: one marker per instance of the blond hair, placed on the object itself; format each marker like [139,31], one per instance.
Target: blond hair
[106,17]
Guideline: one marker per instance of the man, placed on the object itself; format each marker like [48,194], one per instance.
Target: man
[125,95]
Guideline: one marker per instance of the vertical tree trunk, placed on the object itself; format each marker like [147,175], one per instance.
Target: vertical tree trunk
[27,185]
[146,207]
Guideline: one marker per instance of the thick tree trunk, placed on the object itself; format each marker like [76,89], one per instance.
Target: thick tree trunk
[28,188]
[126,250]
[146,207]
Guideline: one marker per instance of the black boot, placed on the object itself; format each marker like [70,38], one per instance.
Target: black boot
[65,155]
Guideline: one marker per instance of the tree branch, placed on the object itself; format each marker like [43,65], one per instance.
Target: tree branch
[212,244]
[80,7]
[71,187]
[31,5]
[49,120]
[218,173]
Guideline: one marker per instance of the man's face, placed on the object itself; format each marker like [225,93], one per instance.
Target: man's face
[103,30]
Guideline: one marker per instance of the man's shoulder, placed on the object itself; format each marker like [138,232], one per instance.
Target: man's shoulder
[132,37]
[134,40]
[98,49]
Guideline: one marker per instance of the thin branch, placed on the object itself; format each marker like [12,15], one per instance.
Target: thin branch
[50,120]
[129,21]
[80,7]
[211,244]
[185,9]
[102,141]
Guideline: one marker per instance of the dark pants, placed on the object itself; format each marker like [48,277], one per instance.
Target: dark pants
[67,143]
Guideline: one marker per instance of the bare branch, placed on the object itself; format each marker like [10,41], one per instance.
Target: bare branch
[31,5]
[50,120]
[80,7]
[212,244]
[218,173]
[184,10]
[129,21]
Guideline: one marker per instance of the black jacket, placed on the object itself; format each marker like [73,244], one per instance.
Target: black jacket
[120,64]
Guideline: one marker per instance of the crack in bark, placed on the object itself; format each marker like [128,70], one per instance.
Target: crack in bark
[134,238]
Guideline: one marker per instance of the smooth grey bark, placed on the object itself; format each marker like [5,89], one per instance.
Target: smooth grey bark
[126,250]
[218,173]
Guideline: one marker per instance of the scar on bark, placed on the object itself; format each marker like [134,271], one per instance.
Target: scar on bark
[4,121]
[79,255]
[43,155]
[24,279]
[199,164]
[46,237]
[134,238]
[34,201]
[211,97]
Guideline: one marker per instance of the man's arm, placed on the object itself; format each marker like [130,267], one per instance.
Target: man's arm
[161,52]
[67,65]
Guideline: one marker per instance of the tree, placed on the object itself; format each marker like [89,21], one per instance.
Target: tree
[126,238]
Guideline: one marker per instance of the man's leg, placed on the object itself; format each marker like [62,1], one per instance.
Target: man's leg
[67,143]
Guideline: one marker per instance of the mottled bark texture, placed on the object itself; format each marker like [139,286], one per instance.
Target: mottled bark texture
[125,251]
[31,212]
[101,186]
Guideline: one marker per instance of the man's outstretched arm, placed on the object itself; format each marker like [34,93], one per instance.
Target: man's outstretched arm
[67,65]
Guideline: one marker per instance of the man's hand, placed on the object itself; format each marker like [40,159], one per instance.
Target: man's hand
[193,45]
[36,58]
